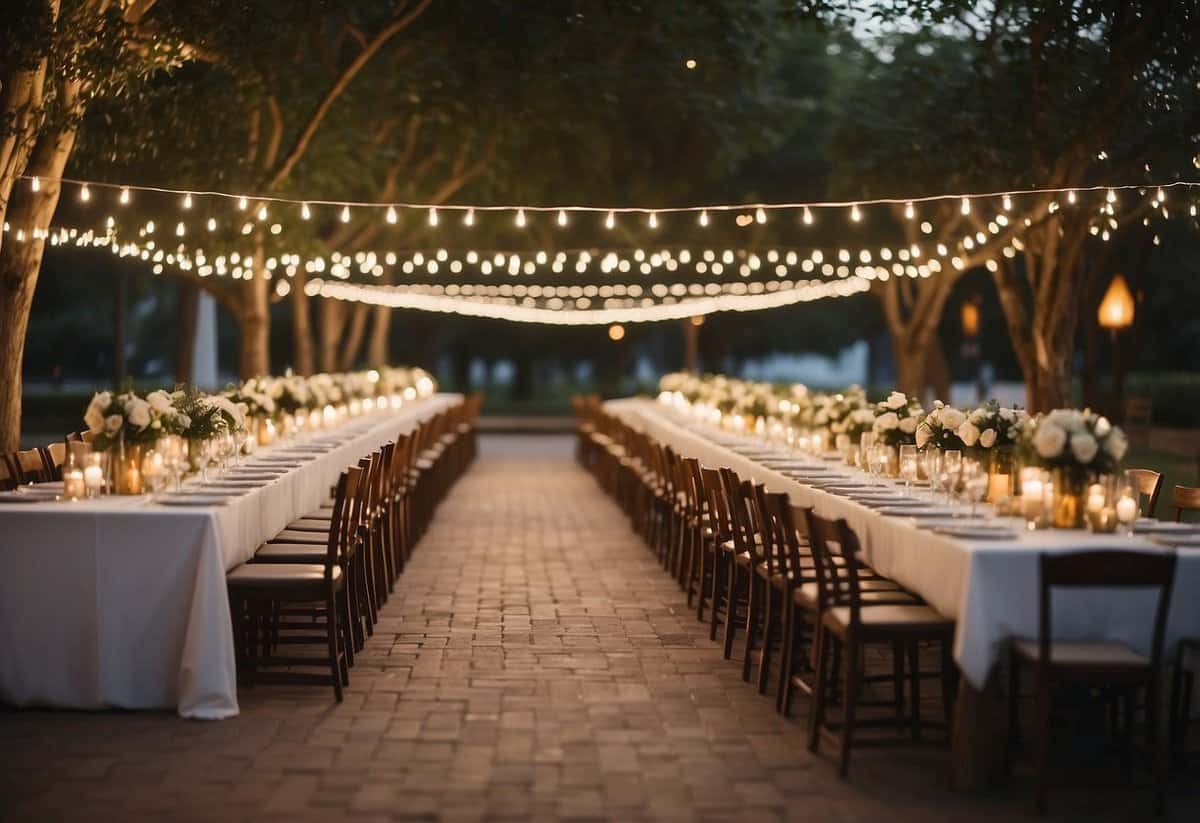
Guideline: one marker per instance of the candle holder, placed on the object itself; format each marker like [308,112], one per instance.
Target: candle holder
[1100,510]
[94,474]
[1037,498]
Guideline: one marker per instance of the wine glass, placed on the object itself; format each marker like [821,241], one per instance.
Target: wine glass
[931,466]
[844,446]
[203,455]
[908,464]
[951,469]
[877,458]
[975,483]
[864,450]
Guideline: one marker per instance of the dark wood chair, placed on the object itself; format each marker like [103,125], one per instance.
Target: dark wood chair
[27,466]
[1183,684]
[1146,483]
[258,591]
[847,624]
[1110,664]
[1185,499]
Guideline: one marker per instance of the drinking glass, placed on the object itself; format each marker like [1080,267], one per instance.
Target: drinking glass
[908,464]
[931,466]
[951,469]
[878,458]
[864,450]
[975,483]
[204,454]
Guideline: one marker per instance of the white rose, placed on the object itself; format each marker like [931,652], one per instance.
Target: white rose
[952,418]
[924,434]
[968,433]
[94,416]
[1116,445]
[908,425]
[1084,447]
[1103,427]
[1007,415]
[160,401]
[887,421]
[896,400]
[988,438]
[1049,440]
[112,423]
[138,412]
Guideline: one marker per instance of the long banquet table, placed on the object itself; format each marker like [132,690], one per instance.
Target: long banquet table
[989,587]
[121,601]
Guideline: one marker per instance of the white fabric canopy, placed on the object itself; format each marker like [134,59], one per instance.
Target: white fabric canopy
[989,587]
[121,602]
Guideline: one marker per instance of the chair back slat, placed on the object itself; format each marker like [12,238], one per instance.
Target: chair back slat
[1147,483]
[1185,498]
[835,559]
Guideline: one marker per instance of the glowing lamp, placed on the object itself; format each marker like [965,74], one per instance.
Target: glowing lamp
[1116,308]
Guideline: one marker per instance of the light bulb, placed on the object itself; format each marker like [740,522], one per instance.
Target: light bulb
[469,220]
[1071,197]
[610,221]
[345,214]
[179,230]
[124,198]
[760,216]
[433,217]
[36,184]
[562,217]
[520,218]
[242,203]
[187,200]
[1111,196]
[966,206]
[653,220]
[909,211]
[704,218]
[391,214]
[1162,195]
[305,212]
[855,214]
[84,194]
[807,218]
[212,224]
[1007,203]
[262,212]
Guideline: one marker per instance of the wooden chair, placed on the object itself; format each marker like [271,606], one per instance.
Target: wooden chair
[257,591]
[1148,483]
[1185,498]
[1094,664]
[1183,683]
[27,466]
[848,624]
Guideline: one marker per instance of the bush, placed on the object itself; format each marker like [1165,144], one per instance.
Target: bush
[1175,395]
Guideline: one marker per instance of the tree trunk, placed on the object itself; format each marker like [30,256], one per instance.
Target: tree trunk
[691,345]
[120,324]
[302,332]
[377,344]
[20,263]
[332,318]
[937,371]
[910,366]
[255,322]
[187,304]
[354,337]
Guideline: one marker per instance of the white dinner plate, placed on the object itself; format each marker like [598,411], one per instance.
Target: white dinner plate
[968,532]
[1165,527]
[918,511]
[26,497]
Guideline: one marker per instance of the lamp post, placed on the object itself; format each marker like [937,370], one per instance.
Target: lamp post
[1116,313]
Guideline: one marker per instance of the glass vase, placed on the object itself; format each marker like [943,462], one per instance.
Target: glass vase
[125,469]
[1001,474]
[1070,489]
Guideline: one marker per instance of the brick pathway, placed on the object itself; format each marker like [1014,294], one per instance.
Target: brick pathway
[534,663]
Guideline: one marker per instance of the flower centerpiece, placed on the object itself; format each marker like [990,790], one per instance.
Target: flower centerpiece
[207,418]
[896,423]
[1075,445]
[124,425]
[992,432]
[254,397]
[939,428]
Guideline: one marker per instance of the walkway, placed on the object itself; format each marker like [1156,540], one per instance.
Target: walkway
[535,663]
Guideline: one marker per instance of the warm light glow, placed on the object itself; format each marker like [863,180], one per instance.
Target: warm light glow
[703,220]
[1116,308]
[562,217]
[690,63]
[305,213]
[909,211]
[433,217]
[653,220]
[187,200]
[345,214]
[966,206]
[855,214]
[469,220]
[760,216]
[520,218]
[212,224]
[616,332]
[243,203]
[84,194]
[807,218]
[36,184]
[698,320]
[124,198]
[970,319]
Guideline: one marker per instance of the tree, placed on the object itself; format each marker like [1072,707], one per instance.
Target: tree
[1060,95]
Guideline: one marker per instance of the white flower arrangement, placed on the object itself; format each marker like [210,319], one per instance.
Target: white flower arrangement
[992,426]
[131,419]
[1076,440]
[897,420]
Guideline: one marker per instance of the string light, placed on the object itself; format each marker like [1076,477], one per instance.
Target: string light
[391,215]
[652,221]
[807,218]
[855,214]
[212,224]
[1007,203]
[760,216]
[243,203]
[1071,197]
[966,206]
[469,220]
[520,218]
[345,217]
[433,217]
[909,211]
[262,212]
[179,230]
[187,200]
[124,198]
[35,184]
[562,217]
[703,219]
[610,221]
[85,193]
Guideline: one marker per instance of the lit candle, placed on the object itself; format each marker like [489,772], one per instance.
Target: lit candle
[1127,510]
[73,485]
[93,479]
[1095,501]
[1032,499]
[997,487]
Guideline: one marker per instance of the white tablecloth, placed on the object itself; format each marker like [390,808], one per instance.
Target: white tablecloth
[989,587]
[121,602]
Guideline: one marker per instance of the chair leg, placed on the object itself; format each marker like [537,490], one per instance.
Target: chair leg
[331,634]
[731,604]
[898,683]
[783,689]
[1042,752]
[1159,744]
[1014,713]
[720,569]
[770,595]
[914,687]
[850,705]
[752,609]
[701,590]
[816,719]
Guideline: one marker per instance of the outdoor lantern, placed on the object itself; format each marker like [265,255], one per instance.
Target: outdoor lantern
[970,319]
[1116,309]
[616,332]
